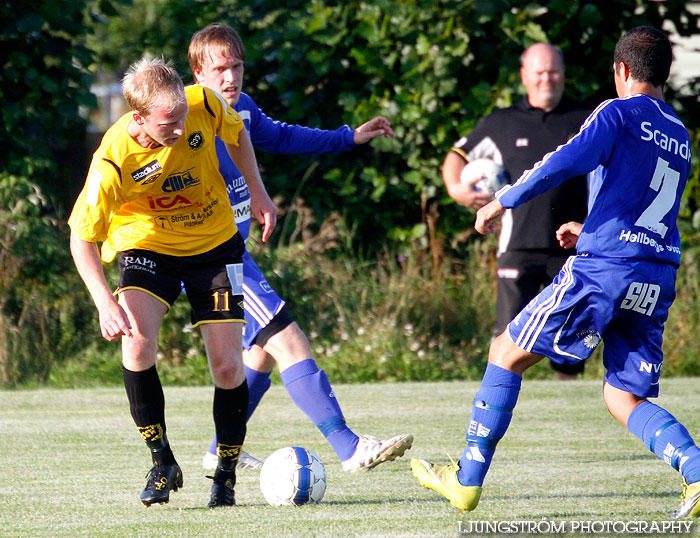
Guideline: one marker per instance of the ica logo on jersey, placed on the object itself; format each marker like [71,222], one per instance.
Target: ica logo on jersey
[165,203]
[641,297]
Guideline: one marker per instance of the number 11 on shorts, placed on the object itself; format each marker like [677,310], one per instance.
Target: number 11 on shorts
[221,301]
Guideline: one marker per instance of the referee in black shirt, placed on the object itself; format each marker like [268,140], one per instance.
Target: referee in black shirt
[529,256]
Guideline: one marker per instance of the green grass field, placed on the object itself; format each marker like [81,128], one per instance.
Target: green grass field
[73,463]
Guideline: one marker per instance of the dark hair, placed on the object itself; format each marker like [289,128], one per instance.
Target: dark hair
[647,52]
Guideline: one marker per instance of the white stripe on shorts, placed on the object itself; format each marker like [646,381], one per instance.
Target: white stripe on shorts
[538,319]
[257,309]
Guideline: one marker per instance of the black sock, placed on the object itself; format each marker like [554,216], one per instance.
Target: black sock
[230,415]
[147,405]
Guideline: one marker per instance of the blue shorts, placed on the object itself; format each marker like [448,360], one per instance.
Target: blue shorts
[624,302]
[260,302]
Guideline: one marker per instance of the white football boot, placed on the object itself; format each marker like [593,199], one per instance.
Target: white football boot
[371,452]
[245,461]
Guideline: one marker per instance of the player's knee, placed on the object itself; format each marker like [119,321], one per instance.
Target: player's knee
[226,371]
[620,403]
[138,352]
[289,346]
[504,353]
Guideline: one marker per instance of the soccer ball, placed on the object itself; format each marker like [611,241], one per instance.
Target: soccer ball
[293,475]
[493,175]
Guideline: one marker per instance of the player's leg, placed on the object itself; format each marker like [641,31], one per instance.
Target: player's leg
[264,312]
[490,417]
[555,324]
[223,345]
[633,358]
[145,296]
[258,366]
[214,289]
[664,436]
[311,391]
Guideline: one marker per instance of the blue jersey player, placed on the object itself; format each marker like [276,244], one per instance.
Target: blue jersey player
[619,286]
[217,56]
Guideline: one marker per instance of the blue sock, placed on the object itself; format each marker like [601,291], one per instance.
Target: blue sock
[663,435]
[258,383]
[311,392]
[491,414]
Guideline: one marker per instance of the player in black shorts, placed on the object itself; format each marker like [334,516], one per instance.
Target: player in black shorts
[529,256]
[155,199]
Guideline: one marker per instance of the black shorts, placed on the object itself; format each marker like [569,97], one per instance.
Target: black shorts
[213,280]
[276,325]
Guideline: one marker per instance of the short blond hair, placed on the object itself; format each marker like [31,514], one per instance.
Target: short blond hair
[152,82]
[216,37]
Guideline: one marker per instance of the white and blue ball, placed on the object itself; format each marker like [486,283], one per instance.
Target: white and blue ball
[493,176]
[293,476]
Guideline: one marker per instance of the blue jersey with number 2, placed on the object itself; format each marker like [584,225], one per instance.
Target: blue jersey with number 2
[639,154]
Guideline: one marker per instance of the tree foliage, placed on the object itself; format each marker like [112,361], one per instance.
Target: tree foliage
[44,86]
[45,89]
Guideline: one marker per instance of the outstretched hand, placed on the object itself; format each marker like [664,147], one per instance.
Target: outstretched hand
[487,217]
[379,126]
[568,233]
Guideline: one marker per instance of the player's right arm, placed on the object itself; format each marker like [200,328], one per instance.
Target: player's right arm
[113,319]
[463,193]
[262,207]
[584,152]
[89,223]
[488,216]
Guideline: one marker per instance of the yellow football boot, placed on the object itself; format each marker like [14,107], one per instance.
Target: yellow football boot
[443,479]
[690,507]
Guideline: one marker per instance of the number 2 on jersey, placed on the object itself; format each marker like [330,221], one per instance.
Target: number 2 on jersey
[665,182]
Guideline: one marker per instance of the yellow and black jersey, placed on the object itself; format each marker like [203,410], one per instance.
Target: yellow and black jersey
[169,199]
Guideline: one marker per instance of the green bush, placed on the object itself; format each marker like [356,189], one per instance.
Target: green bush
[41,321]
[396,317]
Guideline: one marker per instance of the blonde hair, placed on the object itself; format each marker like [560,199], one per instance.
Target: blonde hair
[216,37]
[152,82]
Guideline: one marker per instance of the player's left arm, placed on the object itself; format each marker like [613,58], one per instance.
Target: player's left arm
[230,129]
[280,137]
[568,233]
[377,126]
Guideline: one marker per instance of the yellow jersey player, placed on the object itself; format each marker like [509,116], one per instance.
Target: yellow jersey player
[156,201]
